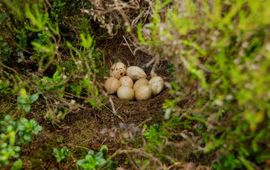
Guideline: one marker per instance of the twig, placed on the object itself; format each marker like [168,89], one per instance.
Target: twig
[143,122]
[176,164]
[128,46]
[9,68]
[153,73]
[112,104]
[133,162]
[48,3]
[113,109]
[150,62]
[139,152]
[77,146]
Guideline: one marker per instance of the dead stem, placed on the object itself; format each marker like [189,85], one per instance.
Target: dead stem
[133,162]
[139,152]
[113,109]
[176,165]
[153,72]
[128,46]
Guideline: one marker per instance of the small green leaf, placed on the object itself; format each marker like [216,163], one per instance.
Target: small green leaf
[61,153]
[92,102]
[34,97]
[26,108]
[17,165]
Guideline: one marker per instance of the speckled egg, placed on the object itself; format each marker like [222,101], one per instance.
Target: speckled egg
[136,72]
[118,70]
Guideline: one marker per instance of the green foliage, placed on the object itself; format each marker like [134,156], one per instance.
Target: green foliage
[61,154]
[25,101]
[18,164]
[169,108]
[94,160]
[228,162]
[155,136]
[13,135]
[53,84]
[4,86]
[224,46]
[50,57]
[5,49]
[26,129]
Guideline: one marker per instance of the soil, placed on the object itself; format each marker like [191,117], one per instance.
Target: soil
[89,128]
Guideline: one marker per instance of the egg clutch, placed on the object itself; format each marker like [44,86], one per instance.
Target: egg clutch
[131,82]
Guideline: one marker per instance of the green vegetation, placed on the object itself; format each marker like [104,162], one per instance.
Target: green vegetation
[218,54]
[25,101]
[223,45]
[52,65]
[94,160]
[14,134]
[61,154]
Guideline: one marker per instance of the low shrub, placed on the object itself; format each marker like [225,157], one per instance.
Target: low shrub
[94,160]
[14,134]
[37,56]
[224,46]
[61,154]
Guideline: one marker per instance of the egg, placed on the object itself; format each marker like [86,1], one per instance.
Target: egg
[126,81]
[135,72]
[111,85]
[125,93]
[118,70]
[140,82]
[143,92]
[157,84]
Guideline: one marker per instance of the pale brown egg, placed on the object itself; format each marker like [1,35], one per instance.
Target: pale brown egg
[143,92]
[118,70]
[125,93]
[140,82]
[135,72]
[157,84]
[126,81]
[111,85]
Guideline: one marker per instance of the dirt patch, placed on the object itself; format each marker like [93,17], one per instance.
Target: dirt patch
[89,128]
